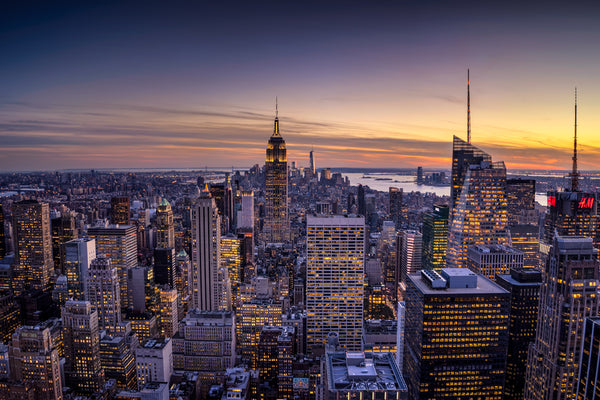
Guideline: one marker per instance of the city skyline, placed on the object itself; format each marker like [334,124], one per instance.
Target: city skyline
[120,86]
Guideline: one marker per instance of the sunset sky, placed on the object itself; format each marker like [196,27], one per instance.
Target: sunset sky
[373,84]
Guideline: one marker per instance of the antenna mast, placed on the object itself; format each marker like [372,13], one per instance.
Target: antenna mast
[468,108]
[575,174]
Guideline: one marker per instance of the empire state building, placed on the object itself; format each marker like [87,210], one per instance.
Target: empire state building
[276,227]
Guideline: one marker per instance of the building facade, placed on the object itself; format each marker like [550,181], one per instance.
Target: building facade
[335,280]
[277,224]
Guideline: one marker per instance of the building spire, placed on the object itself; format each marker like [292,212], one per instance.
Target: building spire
[468,108]
[276,127]
[574,173]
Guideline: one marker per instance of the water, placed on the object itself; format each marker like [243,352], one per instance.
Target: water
[406,182]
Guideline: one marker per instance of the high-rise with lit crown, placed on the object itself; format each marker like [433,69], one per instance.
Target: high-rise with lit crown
[569,294]
[165,230]
[34,264]
[276,227]
[335,279]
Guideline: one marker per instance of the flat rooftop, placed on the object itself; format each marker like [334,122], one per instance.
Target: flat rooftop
[484,285]
[360,371]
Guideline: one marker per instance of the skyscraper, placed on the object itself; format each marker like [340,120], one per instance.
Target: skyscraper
[412,248]
[83,371]
[2,236]
[435,237]
[245,219]
[34,265]
[492,260]
[479,215]
[464,154]
[277,224]
[165,230]
[63,230]
[206,254]
[119,210]
[588,385]
[335,279]
[79,254]
[119,243]
[35,362]
[569,294]
[395,195]
[456,335]
[520,198]
[103,292]
[313,168]
[572,212]
[524,288]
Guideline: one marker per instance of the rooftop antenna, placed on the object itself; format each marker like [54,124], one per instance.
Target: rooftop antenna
[276,108]
[468,108]
[575,174]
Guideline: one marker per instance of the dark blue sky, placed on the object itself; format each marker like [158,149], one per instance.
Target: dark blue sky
[191,84]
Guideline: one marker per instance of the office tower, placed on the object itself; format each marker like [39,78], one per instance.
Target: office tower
[325,175]
[119,243]
[524,288]
[253,315]
[103,292]
[2,236]
[232,259]
[83,371]
[479,215]
[35,363]
[9,315]
[183,276]
[435,237]
[419,175]
[79,254]
[154,361]
[277,223]
[34,265]
[144,325]
[400,335]
[140,286]
[362,205]
[63,230]
[492,260]
[334,283]
[165,229]
[572,214]
[205,343]
[520,198]
[119,210]
[395,199]
[245,219]
[526,238]
[412,249]
[60,292]
[206,254]
[456,335]
[312,167]
[275,358]
[167,312]
[361,375]
[464,154]
[222,193]
[567,296]
[588,384]
[117,357]
[164,266]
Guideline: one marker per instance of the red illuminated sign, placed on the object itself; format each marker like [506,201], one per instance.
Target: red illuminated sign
[551,201]
[586,202]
